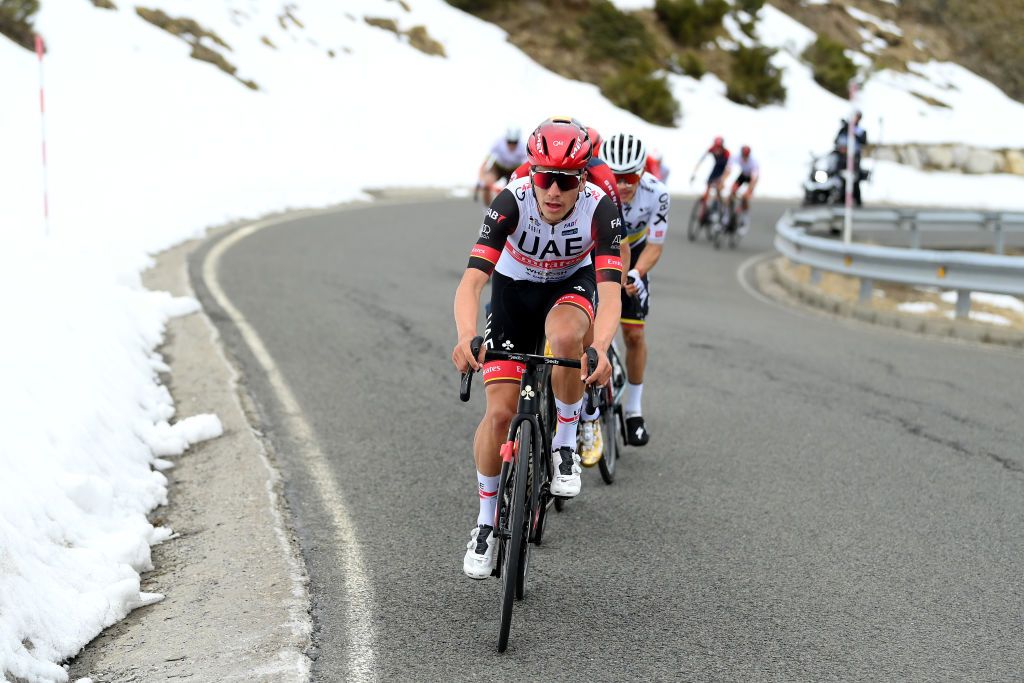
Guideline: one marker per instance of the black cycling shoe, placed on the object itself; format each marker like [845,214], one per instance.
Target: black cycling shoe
[636,431]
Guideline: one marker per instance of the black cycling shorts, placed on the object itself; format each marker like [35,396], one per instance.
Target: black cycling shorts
[519,309]
[744,178]
[633,314]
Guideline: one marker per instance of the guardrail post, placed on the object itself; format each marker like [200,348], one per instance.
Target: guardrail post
[866,286]
[963,303]
[908,223]
[997,228]
[815,276]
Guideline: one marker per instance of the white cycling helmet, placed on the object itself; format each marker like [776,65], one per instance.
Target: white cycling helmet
[624,153]
[512,134]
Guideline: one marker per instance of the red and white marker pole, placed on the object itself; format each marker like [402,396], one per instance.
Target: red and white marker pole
[851,151]
[42,123]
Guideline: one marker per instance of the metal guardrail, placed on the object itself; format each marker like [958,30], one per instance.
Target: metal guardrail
[963,271]
[915,222]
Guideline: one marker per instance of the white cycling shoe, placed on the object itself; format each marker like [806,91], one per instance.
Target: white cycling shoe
[565,465]
[479,560]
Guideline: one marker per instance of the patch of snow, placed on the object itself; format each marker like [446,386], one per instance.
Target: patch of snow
[866,18]
[1006,301]
[735,32]
[632,5]
[777,29]
[983,317]
[917,307]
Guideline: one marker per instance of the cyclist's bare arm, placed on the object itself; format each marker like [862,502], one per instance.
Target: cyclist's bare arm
[608,267]
[501,217]
[648,258]
[624,255]
[467,309]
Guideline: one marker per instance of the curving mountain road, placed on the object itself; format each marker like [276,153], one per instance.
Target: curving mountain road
[821,499]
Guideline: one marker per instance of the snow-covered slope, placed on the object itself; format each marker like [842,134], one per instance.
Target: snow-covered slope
[148,147]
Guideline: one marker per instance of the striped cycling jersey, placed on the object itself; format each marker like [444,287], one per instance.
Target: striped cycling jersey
[646,215]
[517,242]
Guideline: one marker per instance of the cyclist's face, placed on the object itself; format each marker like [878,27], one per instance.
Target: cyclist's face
[554,202]
[627,190]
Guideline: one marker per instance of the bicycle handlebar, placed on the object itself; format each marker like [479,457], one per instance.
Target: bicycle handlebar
[491,354]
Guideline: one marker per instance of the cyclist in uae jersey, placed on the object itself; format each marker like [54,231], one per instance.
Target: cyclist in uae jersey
[597,173]
[645,207]
[549,241]
[501,160]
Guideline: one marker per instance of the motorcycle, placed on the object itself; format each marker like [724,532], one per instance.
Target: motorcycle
[826,182]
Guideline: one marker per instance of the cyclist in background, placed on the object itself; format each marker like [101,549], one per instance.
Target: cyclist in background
[505,155]
[551,242]
[656,165]
[749,171]
[645,207]
[716,178]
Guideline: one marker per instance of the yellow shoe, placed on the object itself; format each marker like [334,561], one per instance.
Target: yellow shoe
[591,445]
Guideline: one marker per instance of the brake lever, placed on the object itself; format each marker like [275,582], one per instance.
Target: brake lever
[467,377]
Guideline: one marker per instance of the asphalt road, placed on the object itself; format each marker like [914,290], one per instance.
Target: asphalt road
[820,499]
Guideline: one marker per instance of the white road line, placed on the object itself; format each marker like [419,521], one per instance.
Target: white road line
[741,277]
[358,589]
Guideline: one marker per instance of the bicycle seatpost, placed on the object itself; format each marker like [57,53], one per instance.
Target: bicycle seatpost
[593,393]
[467,377]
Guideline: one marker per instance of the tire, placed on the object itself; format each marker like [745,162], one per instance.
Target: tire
[543,503]
[527,449]
[514,522]
[693,227]
[609,434]
[716,236]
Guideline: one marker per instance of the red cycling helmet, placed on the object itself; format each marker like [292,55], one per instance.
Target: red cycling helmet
[745,150]
[560,143]
[719,142]
[595,138]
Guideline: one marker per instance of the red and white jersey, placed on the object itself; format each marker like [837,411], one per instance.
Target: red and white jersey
[517,242]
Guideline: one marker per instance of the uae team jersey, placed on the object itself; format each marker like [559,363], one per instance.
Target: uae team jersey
[646,216]
[517,242]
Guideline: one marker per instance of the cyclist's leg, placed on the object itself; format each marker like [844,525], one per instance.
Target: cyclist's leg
[490,177]
[634,320]
[567,327]
[501,382]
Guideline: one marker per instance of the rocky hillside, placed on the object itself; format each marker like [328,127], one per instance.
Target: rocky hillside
[592,40]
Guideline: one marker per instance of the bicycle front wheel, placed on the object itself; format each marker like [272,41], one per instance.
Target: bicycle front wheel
[610,436]
[693,227]
[513,527]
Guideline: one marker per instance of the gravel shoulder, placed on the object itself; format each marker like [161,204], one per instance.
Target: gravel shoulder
[236,605]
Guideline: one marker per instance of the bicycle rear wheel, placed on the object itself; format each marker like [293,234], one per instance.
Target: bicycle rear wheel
[511,528]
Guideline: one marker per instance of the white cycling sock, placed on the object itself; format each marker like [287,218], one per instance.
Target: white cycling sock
[488,488]
[568,415]
[631,399]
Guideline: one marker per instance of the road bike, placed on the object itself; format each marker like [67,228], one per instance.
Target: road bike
[705,220]
[732,225]
[524,493]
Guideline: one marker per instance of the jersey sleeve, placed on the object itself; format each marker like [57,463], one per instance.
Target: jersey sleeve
[500,219]
[607,236]
[659,220]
